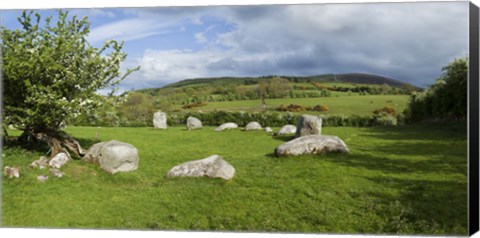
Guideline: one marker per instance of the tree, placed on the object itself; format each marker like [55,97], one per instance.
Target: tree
[446,98]
[52,73]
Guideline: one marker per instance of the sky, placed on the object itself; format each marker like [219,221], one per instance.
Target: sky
[410,42]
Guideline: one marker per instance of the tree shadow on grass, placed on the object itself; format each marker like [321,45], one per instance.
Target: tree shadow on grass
[87,142]
[421,131]
[42,147]
[422,206]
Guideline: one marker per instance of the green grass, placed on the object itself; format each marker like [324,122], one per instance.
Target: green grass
[342,105]
[406,179]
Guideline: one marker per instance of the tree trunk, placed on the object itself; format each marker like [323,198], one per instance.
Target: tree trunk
[58,142]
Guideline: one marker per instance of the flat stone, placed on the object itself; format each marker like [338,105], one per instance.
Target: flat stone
[56,172]
[59,160]
[211,167]
[225,126]
[42,178]
[312,144]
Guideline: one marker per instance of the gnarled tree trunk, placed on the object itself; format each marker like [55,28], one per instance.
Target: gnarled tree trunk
[58,141]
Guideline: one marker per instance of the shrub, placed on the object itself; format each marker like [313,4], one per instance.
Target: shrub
[387,110]
[320,108]
[291,108]
[384,119]
[195,104]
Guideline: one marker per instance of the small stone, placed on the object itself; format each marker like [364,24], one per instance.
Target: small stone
[56,172]
[59,160]
[42,178]
[11,172]
[253,126]
[268,129]
[193,123]
[287,129]
[40,163]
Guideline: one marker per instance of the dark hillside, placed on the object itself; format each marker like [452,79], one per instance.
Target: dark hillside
[354,78]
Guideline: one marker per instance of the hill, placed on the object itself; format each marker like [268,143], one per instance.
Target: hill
[355,78]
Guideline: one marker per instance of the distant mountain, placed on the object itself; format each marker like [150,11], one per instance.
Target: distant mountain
[368,79]
[355,78]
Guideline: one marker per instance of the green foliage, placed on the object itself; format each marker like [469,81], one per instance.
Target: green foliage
[320,108]
[386,110]
[275,119]
[291,108]
[196,104]
[137,110]
[446,99]
[299,108]
[51,73]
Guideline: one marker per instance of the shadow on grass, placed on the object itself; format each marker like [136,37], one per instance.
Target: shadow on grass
[41,147]
[421,131]
[435,203]
[423,206]
[272,156]
[86,143]
[284,138]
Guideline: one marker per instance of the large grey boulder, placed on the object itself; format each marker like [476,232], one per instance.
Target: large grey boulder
[309,125]
[312,144]
[193,123]
[228,125]
[253,126]
[113,156]
[212,167]
[160,120]
[59,160]
[287,129]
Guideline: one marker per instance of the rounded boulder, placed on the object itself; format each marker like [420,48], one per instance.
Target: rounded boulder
[113,156]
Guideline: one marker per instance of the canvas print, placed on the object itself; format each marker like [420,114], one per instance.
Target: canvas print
[301,118]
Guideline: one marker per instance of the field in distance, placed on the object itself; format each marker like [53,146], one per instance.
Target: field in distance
[343,94]
[342,105]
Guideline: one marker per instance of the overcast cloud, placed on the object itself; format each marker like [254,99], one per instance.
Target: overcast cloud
[410,42]
[406,41]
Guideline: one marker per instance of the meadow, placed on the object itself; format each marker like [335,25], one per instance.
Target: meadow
[408,179]
[342,105]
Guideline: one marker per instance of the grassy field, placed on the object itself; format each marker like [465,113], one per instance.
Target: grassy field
[342,105]
[406,179]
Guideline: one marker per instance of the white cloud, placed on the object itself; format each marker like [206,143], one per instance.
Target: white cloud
[200,38]
[129,29]
[406,41]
